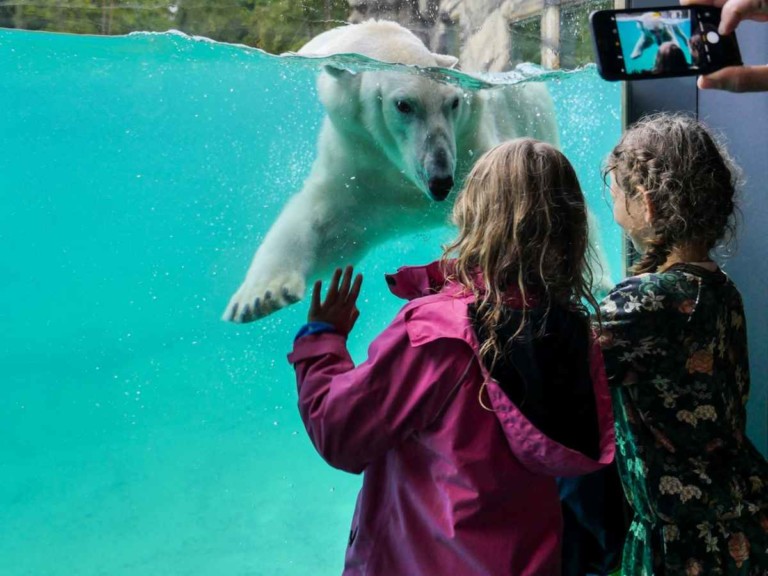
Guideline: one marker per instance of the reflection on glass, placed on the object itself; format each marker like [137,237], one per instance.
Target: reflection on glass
[142,434]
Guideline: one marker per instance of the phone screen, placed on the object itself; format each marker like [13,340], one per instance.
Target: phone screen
[661,42]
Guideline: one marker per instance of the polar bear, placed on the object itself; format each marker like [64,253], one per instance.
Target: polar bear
[393,146]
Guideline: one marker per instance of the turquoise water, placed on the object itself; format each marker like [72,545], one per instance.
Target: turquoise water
[140,434]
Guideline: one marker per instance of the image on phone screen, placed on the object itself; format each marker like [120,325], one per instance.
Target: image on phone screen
[661,42]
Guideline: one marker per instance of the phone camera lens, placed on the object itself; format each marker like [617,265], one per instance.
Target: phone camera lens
[713,37]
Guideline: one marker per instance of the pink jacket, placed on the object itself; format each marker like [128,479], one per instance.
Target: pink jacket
[449,487]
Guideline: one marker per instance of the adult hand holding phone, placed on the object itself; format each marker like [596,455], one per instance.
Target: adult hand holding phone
[661,42]
[736,78]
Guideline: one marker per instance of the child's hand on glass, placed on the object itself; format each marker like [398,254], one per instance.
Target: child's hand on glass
[340,305]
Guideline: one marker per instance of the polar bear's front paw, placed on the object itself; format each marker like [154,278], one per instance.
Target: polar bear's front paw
[256,299]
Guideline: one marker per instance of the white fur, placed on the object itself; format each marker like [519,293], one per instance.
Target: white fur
[370,179]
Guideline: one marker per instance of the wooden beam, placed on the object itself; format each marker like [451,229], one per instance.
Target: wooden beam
[524,9]
[550,37]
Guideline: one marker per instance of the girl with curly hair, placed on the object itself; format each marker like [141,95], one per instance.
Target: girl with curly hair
[675,346]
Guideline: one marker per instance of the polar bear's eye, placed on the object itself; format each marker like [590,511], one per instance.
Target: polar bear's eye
[455,103]
[404,107]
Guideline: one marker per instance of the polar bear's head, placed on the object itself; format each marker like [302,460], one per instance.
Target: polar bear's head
[411,118]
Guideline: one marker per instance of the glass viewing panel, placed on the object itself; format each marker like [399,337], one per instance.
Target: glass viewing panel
[141,433]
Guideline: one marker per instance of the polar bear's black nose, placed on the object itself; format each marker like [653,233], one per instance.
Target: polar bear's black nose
[440,187]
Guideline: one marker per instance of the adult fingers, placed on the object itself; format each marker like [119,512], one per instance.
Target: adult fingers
[716,3]
[734,11]
[333,287]
[737,79]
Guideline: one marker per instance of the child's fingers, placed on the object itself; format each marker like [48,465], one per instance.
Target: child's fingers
[345,282]
[355,291]
[333,287]
[314,305]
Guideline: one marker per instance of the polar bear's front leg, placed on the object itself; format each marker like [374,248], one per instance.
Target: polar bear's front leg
[278,272]
[598,260]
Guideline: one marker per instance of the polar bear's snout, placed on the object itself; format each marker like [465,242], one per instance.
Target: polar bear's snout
[440,187]
[439,168]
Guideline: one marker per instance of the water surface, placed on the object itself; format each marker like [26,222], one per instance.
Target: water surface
[139,433]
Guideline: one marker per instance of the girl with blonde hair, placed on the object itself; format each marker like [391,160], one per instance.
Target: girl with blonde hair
[486,386]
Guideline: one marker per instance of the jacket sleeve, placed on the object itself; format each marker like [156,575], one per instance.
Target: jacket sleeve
[353,415]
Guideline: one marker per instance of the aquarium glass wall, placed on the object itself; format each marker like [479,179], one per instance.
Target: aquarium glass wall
[140,433]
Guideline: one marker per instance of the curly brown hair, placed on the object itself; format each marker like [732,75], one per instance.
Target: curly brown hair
[690,180]
[522,222]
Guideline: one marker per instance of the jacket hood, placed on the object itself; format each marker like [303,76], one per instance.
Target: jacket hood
[411,282]
[441,308]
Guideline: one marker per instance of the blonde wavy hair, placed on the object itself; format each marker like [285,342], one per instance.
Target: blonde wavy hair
[522,222]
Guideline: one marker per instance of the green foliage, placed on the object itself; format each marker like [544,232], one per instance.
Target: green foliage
[275,26]
[285,25]
[576,39]
[575,36]
[272,25]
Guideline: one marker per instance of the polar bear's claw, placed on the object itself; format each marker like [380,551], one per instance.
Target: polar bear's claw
[290,297]
[256,299]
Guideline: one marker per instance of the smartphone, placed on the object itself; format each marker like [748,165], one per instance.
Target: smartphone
[640,43]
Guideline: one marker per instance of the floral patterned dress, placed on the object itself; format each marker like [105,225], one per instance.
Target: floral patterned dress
[675,348]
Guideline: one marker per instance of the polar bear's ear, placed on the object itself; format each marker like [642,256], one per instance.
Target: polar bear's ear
[445,60]
[338,73]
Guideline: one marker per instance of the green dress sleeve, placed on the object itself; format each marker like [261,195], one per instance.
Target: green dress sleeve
[635,329]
